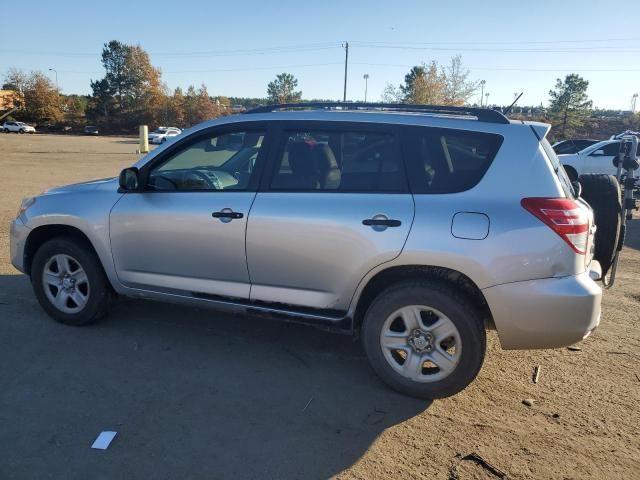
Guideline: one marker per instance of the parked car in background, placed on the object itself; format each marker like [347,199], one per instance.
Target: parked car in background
[572,145]
[413,230]
[162,134]
[17,127]
[597,158]
[90,130]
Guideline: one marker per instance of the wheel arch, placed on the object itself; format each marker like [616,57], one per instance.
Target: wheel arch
[572,172]
[39,235]
[396,274]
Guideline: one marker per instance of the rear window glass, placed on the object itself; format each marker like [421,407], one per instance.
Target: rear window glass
[447,160]
[339,161]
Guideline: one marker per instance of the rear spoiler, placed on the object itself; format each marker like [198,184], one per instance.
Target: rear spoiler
[540,129]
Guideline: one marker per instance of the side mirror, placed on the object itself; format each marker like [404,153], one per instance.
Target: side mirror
[598,153]
[130,179]
[577,188]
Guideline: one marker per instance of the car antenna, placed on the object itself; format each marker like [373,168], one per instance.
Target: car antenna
[506,112]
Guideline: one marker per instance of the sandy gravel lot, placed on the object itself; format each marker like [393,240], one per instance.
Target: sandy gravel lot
[196,394]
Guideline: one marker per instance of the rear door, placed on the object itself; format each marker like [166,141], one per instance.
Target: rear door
[334,203]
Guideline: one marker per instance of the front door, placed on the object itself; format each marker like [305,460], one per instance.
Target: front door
[334,204]
[185,232]
[601,159]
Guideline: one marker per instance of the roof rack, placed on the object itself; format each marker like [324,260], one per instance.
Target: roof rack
[482,114]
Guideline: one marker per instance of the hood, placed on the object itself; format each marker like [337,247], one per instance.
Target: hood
[85,186]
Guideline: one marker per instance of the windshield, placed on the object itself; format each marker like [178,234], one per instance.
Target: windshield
[160,131]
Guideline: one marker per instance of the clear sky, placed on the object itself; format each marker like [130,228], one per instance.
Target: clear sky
[237,47]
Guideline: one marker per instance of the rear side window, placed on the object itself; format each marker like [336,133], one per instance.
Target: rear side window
[447,160]
[339,161]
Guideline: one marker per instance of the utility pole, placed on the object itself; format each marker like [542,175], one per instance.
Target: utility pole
[366,81]
[346,61]
[634,99]
[482,83]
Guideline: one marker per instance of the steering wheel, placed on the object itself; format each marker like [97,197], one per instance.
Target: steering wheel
[200,176]
[173,183]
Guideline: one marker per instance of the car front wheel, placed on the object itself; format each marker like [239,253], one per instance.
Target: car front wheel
[69,282]
[424,339]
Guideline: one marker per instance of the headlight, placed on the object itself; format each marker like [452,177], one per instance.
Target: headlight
[26,203]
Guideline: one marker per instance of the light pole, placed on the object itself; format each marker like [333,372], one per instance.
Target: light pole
[634,99]
[486,96]
[56,72]
[366,82]
[482,83]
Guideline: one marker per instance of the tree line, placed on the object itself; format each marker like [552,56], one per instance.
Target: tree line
[132,93]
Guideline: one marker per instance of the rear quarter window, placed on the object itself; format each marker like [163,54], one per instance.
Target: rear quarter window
[447,160]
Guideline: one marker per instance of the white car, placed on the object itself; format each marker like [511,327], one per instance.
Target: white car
[162,134]
[597,158]
[18,127]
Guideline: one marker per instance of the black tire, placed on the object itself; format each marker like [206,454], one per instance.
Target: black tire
[602,192]
[21,131]
[571,173]
[446,299]
[163,140]
[100,297]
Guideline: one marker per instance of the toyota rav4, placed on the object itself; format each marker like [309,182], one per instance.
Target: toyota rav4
[414,228]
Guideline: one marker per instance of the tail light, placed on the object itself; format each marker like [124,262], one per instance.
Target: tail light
[565,217]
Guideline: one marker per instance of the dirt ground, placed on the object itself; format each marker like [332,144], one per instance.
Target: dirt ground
[196,394]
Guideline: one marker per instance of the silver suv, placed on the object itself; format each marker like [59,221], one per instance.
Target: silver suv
[414,227]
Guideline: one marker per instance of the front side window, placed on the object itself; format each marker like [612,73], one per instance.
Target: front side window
[447,160]
[611,149]
[339,161]
[223,161]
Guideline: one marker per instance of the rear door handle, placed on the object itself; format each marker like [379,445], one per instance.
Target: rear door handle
[226,215]
[381,222]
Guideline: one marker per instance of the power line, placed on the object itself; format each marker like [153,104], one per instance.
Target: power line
[211,53]
[593,49]
[243,69]
[514,69]
[444,46]
[505,42]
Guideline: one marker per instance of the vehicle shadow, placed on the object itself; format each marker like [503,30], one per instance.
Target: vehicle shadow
[192,394]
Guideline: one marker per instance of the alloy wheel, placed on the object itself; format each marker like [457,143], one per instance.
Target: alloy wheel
[421,343]
[65,283]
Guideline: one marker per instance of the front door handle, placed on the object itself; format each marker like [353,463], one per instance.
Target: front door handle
[380,221]
[226,215]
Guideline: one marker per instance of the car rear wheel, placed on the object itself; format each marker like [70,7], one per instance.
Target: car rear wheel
[424,339]
[69,282]
[602,192]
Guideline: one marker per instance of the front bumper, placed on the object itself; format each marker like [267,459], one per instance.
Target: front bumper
[18,234]
[545,313]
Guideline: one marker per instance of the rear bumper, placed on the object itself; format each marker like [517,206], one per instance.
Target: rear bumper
[18,234]
[545,313]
